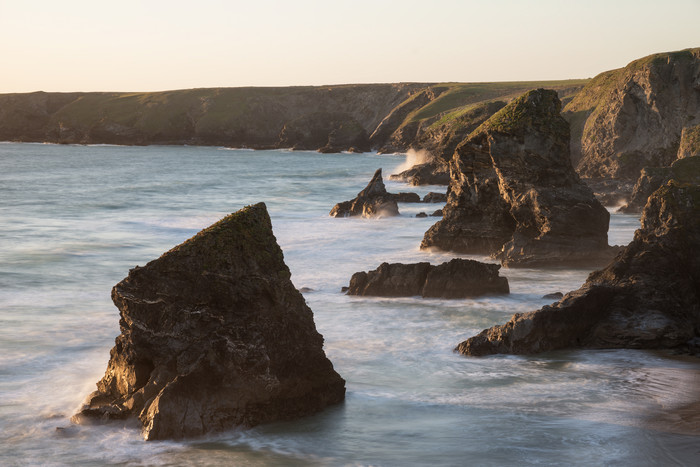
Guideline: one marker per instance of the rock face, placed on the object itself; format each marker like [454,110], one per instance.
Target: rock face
[434,172]
[514,194]
[373,201]
[686,170]
[214,335]
[326,131]
[458,278]
[648,297]
[690,142]
[627,119]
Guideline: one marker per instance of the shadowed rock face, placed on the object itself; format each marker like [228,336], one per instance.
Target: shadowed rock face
[515,195]
[214,335]
[373,201]
[458,278]
[648,297]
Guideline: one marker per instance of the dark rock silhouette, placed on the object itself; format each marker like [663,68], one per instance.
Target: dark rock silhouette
[214,335]
[648,297]
[373,201]
[458,278]
[515,195]
[434,197]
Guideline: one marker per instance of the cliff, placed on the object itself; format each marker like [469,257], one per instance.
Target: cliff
[630,118]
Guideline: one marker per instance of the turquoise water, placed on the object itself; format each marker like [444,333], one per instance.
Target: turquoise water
[75,219]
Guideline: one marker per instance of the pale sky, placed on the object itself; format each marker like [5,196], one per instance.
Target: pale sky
[131,45]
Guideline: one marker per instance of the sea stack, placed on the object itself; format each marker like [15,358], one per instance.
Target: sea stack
[373,201]
[647,298]
[515,195]
[214,335]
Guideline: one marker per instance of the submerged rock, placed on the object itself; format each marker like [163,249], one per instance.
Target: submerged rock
[648,297]
[458,278]
[214,335]
[373,201]
[515,195]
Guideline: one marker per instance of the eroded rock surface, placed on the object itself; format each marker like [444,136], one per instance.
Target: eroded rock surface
[214,335]
[648,297]
[458,278]
[373,201]
[630,118]
[514,193]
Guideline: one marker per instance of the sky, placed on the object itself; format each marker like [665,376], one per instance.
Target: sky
[131,45]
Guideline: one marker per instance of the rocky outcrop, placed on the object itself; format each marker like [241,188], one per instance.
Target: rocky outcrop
[627,119]
[648,297]
[458,278]
[214,335]
[434,172]
[514,194]
[373,201]
[686,170]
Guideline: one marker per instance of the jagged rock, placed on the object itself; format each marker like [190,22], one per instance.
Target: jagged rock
[648,297]
[437,213]
[686,170]
[690,142]
[434,197]
[514,194]
[214,335]
[373,201]
[422,214]
[458,278]
[630,118]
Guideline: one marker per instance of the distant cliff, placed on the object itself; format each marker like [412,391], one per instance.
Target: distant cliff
[633,117]
[327,118]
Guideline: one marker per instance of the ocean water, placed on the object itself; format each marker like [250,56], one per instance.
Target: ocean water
[75,219]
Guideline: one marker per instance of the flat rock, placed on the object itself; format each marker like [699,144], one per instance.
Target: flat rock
[214,335]
[458,278]
[647,298]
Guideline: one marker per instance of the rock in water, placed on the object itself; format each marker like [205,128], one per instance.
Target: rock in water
[648,297]
[458,278]
[214,335]
[373,201]
[515,195]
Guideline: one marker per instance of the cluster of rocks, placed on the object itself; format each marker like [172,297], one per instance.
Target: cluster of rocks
[514,194]
[648,297]
[458,278]
[214,335]
[375,201]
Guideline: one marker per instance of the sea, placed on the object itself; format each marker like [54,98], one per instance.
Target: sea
[74,219]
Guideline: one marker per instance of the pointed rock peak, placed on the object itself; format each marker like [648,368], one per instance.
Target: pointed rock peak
[375,187]
[539,109]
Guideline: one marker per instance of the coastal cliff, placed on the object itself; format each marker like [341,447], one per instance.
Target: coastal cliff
[633,117]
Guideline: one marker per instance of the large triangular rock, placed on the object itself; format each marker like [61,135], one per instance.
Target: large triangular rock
[214,335]
[648,297]
[514,194]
